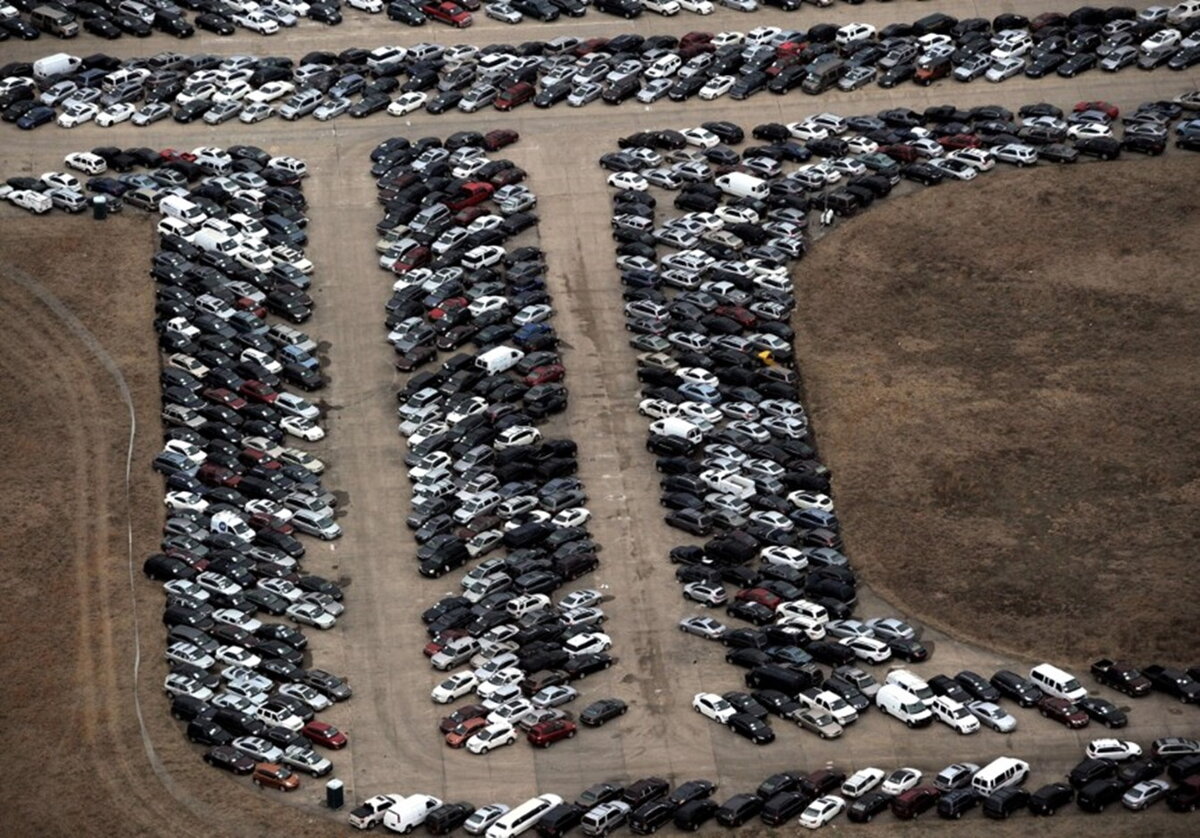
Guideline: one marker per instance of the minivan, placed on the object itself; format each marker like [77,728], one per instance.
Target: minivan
[952,804]
[1096,795]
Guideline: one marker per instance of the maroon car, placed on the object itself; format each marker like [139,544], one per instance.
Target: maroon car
[467,711]
[545,734]
[1063,711]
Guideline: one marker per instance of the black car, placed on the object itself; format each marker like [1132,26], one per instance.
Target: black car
[977,686]
[1090,771]
[752,728]
[1050,798]
[1004,802]
[739,809]
[923,174]
[216,23]
[229,759]
[605,710]
[405,13]
[784,806]
[1013,686]
[1097,795]
[652,816]
[627,9]
[865,808]
[1143,144]
[599,793]
[1103,711]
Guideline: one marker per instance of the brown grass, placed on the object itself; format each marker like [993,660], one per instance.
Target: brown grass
[1003,378]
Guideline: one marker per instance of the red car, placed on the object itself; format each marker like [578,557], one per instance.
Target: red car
[255,457]
[465,216]
[448,308]
[219,395]
[323,733]
[900,153]
[1107,107]
[910,804]
[415,357]
[417,257]
[737,313]
[1064,711]
[212,474]
[170,155]
[545,734]
[508,177]
[512,97]
[449,13]
[760,595]
[590,45]
[458,735]
[498,139]
[470,194]
[256,391]
[544,375]
[467,711]
[957,141]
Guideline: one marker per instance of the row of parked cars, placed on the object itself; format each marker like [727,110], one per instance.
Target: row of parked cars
[239,492]
[814,799]
[488,487]
[710,323]
[72,90]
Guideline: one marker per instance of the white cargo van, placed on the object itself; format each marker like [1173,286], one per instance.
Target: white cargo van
[1056,682]
[903,705]
[183,209]
[909,683]
[523,817]
[410,812]
[742,185]
[214,241]
[674,426]
[498,359]
[1000,773]
[59,64]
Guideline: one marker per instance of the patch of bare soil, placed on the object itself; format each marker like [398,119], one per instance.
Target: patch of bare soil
[1003,378]
[75,760]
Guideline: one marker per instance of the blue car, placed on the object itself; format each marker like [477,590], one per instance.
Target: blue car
[705,393]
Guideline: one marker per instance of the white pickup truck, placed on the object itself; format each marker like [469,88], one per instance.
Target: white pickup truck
[728,482]
[371,812]
[831,703]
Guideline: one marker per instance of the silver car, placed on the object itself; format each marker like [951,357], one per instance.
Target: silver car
[991,715]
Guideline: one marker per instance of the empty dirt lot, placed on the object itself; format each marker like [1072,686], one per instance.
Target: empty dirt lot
[1003,377]
[76,759]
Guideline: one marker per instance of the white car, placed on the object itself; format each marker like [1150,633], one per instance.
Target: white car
[978,158]
[698,7]
[626,180]
[1162,40]
[237,656]
[714,707]
[495,735]
[1115,750]
[238,619]
[867,648]
[1089,131]
[807,130]
[956,169]
[576,516]
[302,428]
[371,7]
[177,683]
[953,714]
[77,114]
[717,87]
[408,102]
[258,749]
[183,652]
[1018,154]
[821,811]
[86,162]
[271,91]
[456,686]
[516,436]
[862,781]
[500,685]
[185,501]
[503,12]
[113,114]
[900,781]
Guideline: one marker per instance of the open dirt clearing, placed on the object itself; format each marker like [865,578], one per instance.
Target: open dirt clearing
[1002,376]
[76,759]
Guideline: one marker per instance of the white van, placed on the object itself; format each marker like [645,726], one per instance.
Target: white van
[674,426]
[1056,682]
[174,227]
[59,64]
[410,812]
[742,185]
[1000,773]
[214,241]
[523,817]
[900,703]
[183,209]
[909,683]
[499,359]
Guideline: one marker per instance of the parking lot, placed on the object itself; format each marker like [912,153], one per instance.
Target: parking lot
[391,716]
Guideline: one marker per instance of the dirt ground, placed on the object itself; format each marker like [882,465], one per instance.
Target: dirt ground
[66,677]
[1002,376]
